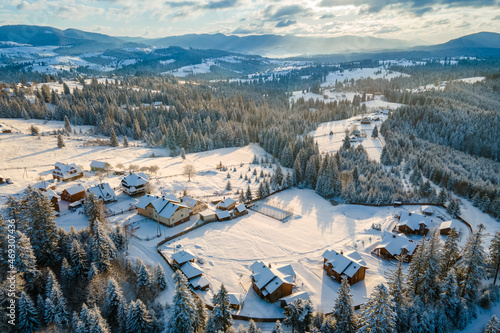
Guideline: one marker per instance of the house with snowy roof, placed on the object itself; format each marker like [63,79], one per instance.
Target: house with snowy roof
[182,257]
[227,204]
[223,215]
[235,301]
[170,196]
[191,270]
[53,198]
[446,226]
[272,283]
[99,166]
[195,205]
[393,245]
[73,193]
[240,210]
[163,210]
[66,172]
[427,210]
[135,183]
[349,265]
[103,191]
[285,301]
[411,223]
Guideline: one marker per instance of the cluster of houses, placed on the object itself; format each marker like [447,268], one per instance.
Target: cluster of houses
[184,260]
[225,210]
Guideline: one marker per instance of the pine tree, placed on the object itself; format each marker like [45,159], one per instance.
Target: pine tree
[396,284]
[60,141]
[138,318]
[114,306]
[102,247]
[343,310]
[493,325]
[346,143]
[377,314]
[471,268]
[228,186]
[375,132]
[248,195]
[252,328]
[451,252]
[183,154]
[221,316]
[125,141]
[430,285]
[27,314]
[277,327]
[113,139]
[67,125]
[450,300]
[183,311]
[494,259]
[200,316]
[159,277]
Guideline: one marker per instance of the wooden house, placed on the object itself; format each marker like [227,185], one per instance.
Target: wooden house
[226,204]
[163,210]
[240,210]
[285,301]
[104,192]
[349,265]
[411,223]
[66,172]
[53,198]
[135,184]
[73,193]
[223,215]
[427,210]
[195,206]
[446,226]
[270,283]
[99,166]
[235,301]
[393,245]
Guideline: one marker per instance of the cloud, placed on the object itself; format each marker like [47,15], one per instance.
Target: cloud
[385,30]
[326,16]
[285,23]
[178,4]
[496,18]
[289,11]
[221,4]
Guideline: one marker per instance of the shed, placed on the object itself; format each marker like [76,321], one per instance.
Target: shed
[446,226]
[427,210]
[223,215]
[199,283]
[182,257]
[208,215]
[241,210]
[227,204]
[99,166]
[235,301]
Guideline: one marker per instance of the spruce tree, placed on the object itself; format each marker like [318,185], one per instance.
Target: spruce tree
[183,154]
[144,277]
[293,313]
[228,186]
[450,299]
[25,260]
[60,141]
[27,314]
[102,247]
[417,269]
[277,327]
[67,125]
[451,253]
[159,277]
[346,143]
[454,208]
[248,195]
[125,141]
[494,259]
[252,328]
[79,264]
[183,311]
[138,318]
[221,316]
[493,325]
[113,139]
[200,316]
[430,284]
[343,310]
[397,290]
[114,306]
[375,132]
[442,196]
[377,314]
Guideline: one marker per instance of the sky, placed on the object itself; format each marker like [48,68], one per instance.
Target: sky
[430,21]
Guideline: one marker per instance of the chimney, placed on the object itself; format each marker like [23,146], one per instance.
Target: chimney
[409,214]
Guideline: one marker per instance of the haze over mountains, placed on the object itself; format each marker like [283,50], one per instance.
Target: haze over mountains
[77,41]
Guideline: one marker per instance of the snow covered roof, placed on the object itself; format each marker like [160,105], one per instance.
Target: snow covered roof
[145,200]
[347,264]
[449,225]
[163,206]
[234,298]
[207,212]
[269,279]
[170,196]
[226,202]
[412,220]
[190,202]
[98,164]
[136,179]
[65,168]
[75,189]
[50,193]
[241,208]
[427,209]
[183,256]
[291,298]
[394,244]
[191,270]
[222,214]
[103,191]
[200,282]
[169,209]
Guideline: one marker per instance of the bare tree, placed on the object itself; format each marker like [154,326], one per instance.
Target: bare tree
[189,171]
[154,169]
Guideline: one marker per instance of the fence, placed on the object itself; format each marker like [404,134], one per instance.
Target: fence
[274,212]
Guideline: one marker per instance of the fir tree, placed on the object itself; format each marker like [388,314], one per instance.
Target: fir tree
[60,141]
[454,208]
[278,177]
[450,299]
[67,125]
[277,327]
[138,318]
[200,316]
[248,195]
[159,277]
[343,310]
[113,139]
[252,328]
[183,311]
[494,259]
[451,252]
[221,316]
[441,199]
[25,260]
[114,306]
[375,132]
[102,247]
[144,277]
[346,143]
[94,208]
[125,141]
[396,284]
[79,264]
[27,315]
[430,286]
[228,186]
[377,314]
[183,154]
[417,268]
[56,310]
[493,325]
[293,315]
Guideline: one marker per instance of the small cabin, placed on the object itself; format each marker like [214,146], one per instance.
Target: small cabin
[73,193]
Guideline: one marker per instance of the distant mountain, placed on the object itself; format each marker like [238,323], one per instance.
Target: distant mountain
[288,45]
[478,44]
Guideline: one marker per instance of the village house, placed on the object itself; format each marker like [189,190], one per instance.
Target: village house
[349,265]
[185,261]
[99,166]
[240,210]
[195,206]
[226,204]
[208,215]
[393,245]
[285,301]
[73,193]
[235,301]
[53,198]
[103,191]
[411,223]
[170,196]
[163,210]
[427,210]
[272,283]
[446,226]
[366,121]
[223,215]
[66,172]
[135,183]
[182,257]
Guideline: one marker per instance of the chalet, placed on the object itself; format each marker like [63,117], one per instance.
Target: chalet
[240,210]
[182,257]
[66,172]
[356,132]
[285,301]
[393,245]
[353,139]
[135,183]
[191,270]
[411,223]
[195,206]
[170,196]
[103,191]
[427,210]
[235,301]
[199,283]
[227,204]
[73,193]
[366,121]
[223,215]
[6,131]
[446,226]
[208,215]
[99,166]
[163,210]
[272,284]
[53,198]
[339,265]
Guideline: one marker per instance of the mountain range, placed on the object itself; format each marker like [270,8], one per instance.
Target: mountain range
[77,41]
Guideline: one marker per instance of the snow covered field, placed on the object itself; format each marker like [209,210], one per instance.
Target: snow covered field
[360,73]
[228,249]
